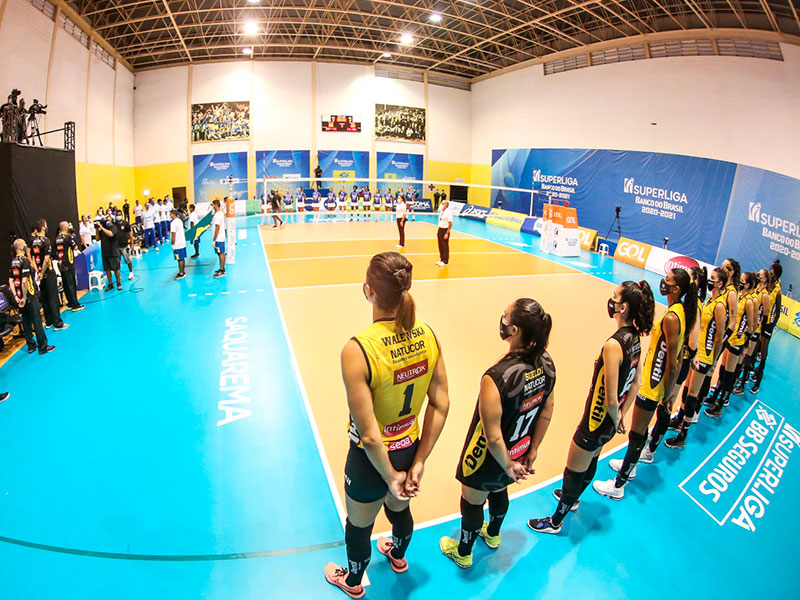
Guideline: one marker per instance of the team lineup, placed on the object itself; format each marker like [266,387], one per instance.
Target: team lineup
[720,319]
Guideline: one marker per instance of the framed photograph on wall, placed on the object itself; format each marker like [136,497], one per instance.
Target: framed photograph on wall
[399,123]
[220,121]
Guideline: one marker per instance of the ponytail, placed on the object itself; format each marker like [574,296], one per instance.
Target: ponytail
[535,325]
[406,312]
[688,296]
[641,305]
[737,273]
[700,275]
[389,276]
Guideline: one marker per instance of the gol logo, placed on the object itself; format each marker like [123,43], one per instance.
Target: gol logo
[572,220]
[632,252]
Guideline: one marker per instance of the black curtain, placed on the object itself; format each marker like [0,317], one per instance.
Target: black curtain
[35,183]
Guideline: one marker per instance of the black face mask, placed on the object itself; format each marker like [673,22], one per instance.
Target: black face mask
[504,329]
[611,306]
[711,285]
[664,287]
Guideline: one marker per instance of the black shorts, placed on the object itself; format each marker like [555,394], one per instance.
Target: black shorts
[362,482]
[684,372]
[646,403]
[766,330]
[111,263]
[735,350]
[755,336]
[592,440]
[489,477]
[702,368]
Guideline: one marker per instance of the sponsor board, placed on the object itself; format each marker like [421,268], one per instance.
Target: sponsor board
[789,318]
[423,205]
[736,484]
[588,238]
[474,212]
[533,225]
[505,218]
[456,207]
[661,261]
[410,372]
[632,252]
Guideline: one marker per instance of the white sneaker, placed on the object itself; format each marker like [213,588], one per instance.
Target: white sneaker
[646,456]
[439,263]
[130,276]
[616,465]
[398,246]
[608,489]
[694,418]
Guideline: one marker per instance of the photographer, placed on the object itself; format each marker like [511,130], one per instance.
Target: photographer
[65,249]
[124,241]
[109,249]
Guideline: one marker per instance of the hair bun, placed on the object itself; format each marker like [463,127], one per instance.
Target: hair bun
[403,278]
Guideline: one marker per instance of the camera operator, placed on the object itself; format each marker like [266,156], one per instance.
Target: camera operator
[109,249]
[65,249]
[23,285]
[124,239]
[41,251]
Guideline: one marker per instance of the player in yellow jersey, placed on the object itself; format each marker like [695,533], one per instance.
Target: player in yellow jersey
[388,370]
[615,383]
[735,344]
[761,298]
[658,378]
[711,335]
[770,320]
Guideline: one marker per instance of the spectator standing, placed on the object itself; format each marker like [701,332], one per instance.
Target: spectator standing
[177,238]
[125,241]
[149,220]
[109,249]
[443,234]
[126,210]
[42,251]
[64,253]
[137,212]
[218,226]
[23,285]
[86,231]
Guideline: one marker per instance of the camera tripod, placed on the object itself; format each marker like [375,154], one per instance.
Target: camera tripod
[616,222]
[33,129]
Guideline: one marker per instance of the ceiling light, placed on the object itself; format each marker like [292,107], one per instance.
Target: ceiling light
[407,39]
[435,18]
[254,1]
[387,55]
[251,27]
[247,51]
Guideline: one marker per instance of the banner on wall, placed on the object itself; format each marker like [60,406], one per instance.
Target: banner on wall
[280,164]
[505,218]
[474,212]
[632,252]
[763,223]
[588,238]
[662,261]
[660,195]
[211,172]
[789,318]
[346,167]
[403,167]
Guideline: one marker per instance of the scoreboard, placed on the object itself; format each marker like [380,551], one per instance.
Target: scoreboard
[341,123]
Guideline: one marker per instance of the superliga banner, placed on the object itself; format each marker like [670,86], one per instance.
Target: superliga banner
[280,164]
[660,195]
[344,166]
[763,223]
[402,167]
[210,171]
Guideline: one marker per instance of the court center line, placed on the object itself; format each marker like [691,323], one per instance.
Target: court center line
[333,285]
[373,254]
[394,239]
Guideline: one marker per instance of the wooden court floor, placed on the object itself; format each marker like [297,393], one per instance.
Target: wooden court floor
[318,270]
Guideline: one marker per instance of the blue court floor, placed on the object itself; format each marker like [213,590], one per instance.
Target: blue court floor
[164,451]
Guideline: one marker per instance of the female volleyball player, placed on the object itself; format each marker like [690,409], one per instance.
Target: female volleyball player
[511,417]
[731,302]
[658,377]
[388,369]
[709,348]
[341,204]
[761,297]
[376,203]
[770,320]
[400,213]
[615,381]
[734,346]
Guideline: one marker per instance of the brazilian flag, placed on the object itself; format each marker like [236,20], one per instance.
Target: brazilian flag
[194,233]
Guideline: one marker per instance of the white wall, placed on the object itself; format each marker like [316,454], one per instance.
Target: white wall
[281,105]
[736,109]
[449,124]
[25,45]
[344,90]
[100,142]
[123,118]
[160,126]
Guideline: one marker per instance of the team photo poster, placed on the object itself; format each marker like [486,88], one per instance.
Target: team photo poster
[220,121]
[399,123]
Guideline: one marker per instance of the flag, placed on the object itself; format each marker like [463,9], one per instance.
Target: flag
[194,233]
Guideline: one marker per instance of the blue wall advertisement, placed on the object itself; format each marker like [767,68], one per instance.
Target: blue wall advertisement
[346,167]
[211,172]
[280,164]
[402,167]
[660,195]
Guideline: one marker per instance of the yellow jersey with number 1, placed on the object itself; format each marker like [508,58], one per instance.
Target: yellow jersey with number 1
[655,363]
[401,365]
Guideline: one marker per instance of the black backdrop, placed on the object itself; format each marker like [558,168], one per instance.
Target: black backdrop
[34,183]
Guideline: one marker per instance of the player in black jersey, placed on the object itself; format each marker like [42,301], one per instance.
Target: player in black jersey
[770,320]
[512,414]
[22,283]
[65,250]
[615,381]
[41,252]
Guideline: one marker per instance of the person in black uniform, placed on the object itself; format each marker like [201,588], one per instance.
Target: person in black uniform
[65,249]
[126,210]
[22,282]
[615,382]
[109,250]
[511,417]
[276,202]
[41,252]
[437,195]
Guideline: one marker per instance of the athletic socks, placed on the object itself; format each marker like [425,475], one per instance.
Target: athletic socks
[356,540]
[660,428]
[402,529]
[704,387]
[588,475]
[636,443]
[691,410]
[570,492]
[746,368]
[498,507]
[471,523]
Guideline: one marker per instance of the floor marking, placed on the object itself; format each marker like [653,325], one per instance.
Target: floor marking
[192,295]
[373,254]
[259,290]
[209,293]
[225,293]
[242,235]
[333,285]
[357,240]
[242,291]
[326,466]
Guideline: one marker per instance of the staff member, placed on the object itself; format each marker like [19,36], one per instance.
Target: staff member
[443,234]
[276,201]
[86,231]
[400,212]
[513,412]
[177,237]
[65,249]
[149,221]
[126,210]
[22,282]
[137,212]
[109,249]
[218,225]
[41,252]
[125,241]
[385,395]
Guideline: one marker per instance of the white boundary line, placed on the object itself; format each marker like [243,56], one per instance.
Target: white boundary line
[352,240]
[373,254]
[314,429]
